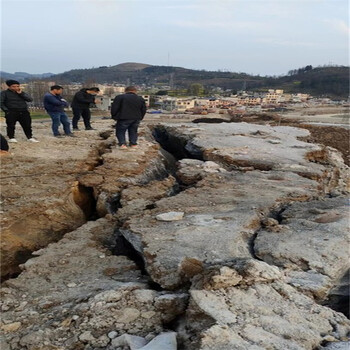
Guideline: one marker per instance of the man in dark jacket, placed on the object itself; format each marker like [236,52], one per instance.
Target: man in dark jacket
[14,104]
[81,104]
[128,110]
[54,105]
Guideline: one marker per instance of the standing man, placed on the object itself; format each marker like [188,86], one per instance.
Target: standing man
[81,103]
[14,104]
[54,105]
[128,110]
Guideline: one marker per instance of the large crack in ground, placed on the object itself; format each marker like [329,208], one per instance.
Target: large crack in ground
[74,196]
[131,200]
[337,299]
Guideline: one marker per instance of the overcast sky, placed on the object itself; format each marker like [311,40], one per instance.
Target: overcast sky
[266,37]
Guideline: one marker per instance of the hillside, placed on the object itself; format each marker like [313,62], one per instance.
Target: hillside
[331,81]
[320,81]
[23,76]
[328,81]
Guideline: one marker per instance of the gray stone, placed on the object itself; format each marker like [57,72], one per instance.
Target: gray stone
[343,345]
[133,341]
[222,213]
[170,216]
[262,314]
[112,334]
[315,239]
[3,344]
[242,144]
[163,341]
[310,282]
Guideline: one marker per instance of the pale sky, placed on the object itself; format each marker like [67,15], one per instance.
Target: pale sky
[266,37]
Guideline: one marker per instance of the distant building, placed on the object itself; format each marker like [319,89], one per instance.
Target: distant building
[147,99]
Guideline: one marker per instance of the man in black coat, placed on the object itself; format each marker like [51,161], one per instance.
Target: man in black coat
[81,104]
[128,110]
[14,104]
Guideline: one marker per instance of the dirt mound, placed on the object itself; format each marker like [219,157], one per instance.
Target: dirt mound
[331,136]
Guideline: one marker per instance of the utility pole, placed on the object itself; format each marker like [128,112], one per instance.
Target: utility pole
[171,80]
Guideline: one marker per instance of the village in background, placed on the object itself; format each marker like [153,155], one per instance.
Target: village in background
[192,100]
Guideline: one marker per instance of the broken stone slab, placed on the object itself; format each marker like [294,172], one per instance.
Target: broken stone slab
[312,237]
[343,345]
[122,169]
[191,171]
[310,283]
[75,261]
[108,294]
[163,341]
[132,341]
[257,313]
[222,213]
[249,145]
[170,216]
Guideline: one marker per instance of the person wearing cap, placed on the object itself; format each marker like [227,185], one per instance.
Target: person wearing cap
[54,105]
[14,104]
[81,103]
[128,110]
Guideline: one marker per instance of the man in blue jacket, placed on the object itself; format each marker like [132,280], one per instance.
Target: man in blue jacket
[54,105]
[128,110]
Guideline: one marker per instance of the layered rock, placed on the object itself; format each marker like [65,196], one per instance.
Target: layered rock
[221,215]
[195,238]
[75,294]
[312,242]
[41,199]
[248,305]
[248,146]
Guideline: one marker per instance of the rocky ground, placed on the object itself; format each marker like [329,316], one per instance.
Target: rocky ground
[209,236]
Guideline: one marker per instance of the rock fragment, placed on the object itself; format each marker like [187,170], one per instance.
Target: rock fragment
[170,216]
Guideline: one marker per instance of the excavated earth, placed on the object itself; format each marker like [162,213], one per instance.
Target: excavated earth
[208,236]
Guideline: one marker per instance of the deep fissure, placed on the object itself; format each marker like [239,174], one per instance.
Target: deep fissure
[179,147]
[339,296]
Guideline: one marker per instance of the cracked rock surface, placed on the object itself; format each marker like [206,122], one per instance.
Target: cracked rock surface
[241,244]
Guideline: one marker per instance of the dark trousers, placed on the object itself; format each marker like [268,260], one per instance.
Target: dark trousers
[85,113]
[4,144]
[131,125]
[24,119]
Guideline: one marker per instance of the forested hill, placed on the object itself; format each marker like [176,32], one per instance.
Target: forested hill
[320,81]
[330,81]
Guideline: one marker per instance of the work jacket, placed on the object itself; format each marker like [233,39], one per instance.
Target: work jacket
[83,100]
[128,106]
[12,101]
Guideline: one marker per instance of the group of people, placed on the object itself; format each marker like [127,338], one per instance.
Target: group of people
[127,109]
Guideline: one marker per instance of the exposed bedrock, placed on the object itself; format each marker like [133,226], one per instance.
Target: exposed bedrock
[76,295]
[311,242]
[247,305]
[225,251]
[247,147]
[222,212]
